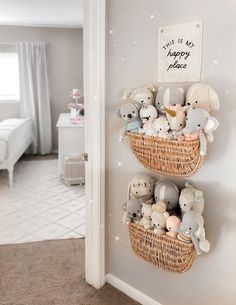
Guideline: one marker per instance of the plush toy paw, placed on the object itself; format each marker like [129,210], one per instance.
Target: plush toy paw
[204,245]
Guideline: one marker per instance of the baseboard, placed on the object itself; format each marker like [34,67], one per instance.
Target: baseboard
[55,151]
[132,292]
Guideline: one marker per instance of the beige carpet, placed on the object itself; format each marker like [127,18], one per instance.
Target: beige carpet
[50,273]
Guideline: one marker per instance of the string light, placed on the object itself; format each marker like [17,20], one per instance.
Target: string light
[111,32]
[215,61]
[122,59]
[119,163]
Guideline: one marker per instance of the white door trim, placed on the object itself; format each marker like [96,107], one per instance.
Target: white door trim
[94,95]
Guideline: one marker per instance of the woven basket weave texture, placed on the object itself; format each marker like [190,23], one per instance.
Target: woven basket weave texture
[161,250]
[168,157]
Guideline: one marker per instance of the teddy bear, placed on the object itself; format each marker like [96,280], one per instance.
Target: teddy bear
[199,123]
[142,187]
[202,96]
[172,224]
[192,226]
[132,210]
[159,217]
[143,96]
[161,127]
[167,192]
[148,114]
[191,199]
[169,96]
[146,212]
[130,113]
[176,116]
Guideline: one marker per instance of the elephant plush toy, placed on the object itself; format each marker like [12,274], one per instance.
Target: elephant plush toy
[191,199]
[192,228]
[130,113]
[199,123]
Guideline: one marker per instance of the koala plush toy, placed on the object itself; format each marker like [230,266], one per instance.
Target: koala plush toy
[130,113]
[143,96]
[132,210]
[167,192]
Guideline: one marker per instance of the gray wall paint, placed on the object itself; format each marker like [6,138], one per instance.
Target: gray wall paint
[132,57]
[65,64]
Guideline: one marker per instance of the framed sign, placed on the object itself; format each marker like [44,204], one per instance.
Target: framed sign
[180,53]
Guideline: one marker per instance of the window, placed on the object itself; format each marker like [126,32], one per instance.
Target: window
[9,77]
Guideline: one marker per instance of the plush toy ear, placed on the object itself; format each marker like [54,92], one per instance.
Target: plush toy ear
[187,184]
[151,87]
[127,93]
[124,206]
[197,195]
[176,188]
[166,215]
[138,105]
[181,90]
[211,125]
[166,97]
[118,113]
[213,99]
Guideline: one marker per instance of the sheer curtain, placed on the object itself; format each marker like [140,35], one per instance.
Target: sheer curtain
[34,100]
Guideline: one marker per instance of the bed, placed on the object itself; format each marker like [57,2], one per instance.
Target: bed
[16,136]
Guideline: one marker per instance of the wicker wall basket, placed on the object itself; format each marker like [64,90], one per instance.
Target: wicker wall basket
[160,250]
[168,157]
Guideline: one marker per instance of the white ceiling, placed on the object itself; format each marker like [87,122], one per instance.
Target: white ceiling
[55,13]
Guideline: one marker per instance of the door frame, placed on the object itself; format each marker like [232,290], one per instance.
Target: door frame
[94,41]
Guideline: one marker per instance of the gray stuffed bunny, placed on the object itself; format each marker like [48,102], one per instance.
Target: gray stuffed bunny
[199,124]
[132,210]
[169,97]
[130,113]
[192,226]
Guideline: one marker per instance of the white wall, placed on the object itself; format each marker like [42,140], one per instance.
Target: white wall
[65,64]
[132,47]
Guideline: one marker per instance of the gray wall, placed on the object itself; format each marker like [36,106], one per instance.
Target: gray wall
[132,55]
[65,64]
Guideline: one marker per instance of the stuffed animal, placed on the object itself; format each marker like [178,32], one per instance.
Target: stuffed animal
[167,192]
[148,114]
[146,220]
[198,124]
[132,210]
[161,127]
[142,187]
[176,116]
[159,217]
[202,96]
[191,199]
[192,226]
[143,96]
[169,97]
[130,113]
[172,224]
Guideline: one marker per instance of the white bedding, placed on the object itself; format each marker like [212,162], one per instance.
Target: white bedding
[14,132]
